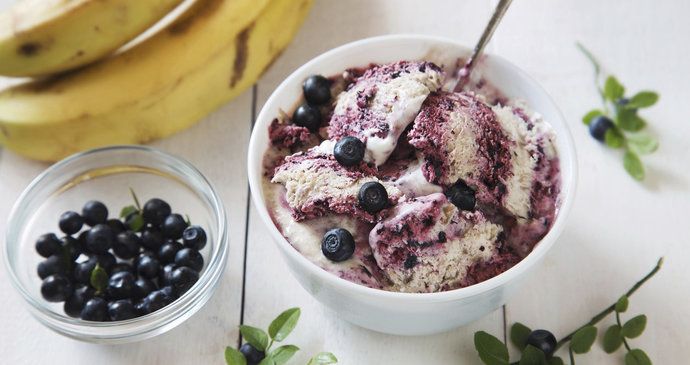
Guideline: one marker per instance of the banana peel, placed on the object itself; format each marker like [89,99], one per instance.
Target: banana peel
[212,53]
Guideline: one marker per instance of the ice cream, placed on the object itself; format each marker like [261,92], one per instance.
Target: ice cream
[451,190]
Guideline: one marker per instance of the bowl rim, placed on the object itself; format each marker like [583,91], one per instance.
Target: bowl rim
[146,324]
[255,174]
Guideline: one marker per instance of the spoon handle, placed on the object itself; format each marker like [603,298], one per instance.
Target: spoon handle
[464,72]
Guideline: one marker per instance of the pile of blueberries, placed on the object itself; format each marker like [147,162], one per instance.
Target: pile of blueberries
[119,269]
[317,92]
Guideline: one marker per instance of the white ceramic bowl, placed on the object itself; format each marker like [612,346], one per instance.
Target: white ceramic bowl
[411,313]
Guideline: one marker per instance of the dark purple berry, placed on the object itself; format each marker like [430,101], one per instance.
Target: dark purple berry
[147,266]
[349,151]
[252,354]
[194,237]
[127,245]
[543,340]
[95,309]
[307,116]
[182,279]
[317,90]
[94,212]
[190,258]
[599,126]
[70,222]
[100,239]
[373,197]
[121,310]
[56,288]
[462,196]
[75,303]
[338,245]
[167,252]
[155,211]
[173,226]
[48,245]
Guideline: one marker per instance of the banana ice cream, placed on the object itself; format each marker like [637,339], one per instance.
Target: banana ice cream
[408,187]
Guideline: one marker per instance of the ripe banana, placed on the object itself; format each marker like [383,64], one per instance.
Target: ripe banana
[209,55]
[40,37]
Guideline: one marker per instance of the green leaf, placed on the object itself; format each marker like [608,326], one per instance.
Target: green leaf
[532,356]
[518,335]
[637,357]
[643,99]
[99,279]
[284,324]
[613,339]
[583,339]
[491,350]
[555,361]
[613,90]
[255,336]
[187,220]
[136,200]
[126,211]
[614,138]
[136,222]
[590,57]
[622,304]
[323,358]
[634,327]
[642,143]
[282,354]
[234,357]
[628,120]
[268,360]
[591,115]
[633,165]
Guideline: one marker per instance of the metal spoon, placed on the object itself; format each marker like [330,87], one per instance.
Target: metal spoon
[466,70]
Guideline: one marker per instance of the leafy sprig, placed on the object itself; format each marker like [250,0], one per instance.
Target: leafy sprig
[493,351]
[627,130]
[278,330]
[133,214]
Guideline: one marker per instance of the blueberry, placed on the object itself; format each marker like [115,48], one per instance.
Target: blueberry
[48,245]
[462,196]
[52,265]
[338,244]
[543,340]
[147,266]
[166,254]
[116,225]
[182,279]
[307,116]
[140,308]
[142,288]
[165,273]
[155,211]
[252,354]
[100,239]
[122,309]
[373,197]
[107,261]
[349,151]
[152,239]
[155,301]
[173,226]
[75,303]
[127,245]
[169,293]
[71,247]
[95,309]
[317,90]
[56,288]
[122,267]
[190,258]
[70,222]
[194,237]
[94,212]
[599,126]
[82,270]
[121,285]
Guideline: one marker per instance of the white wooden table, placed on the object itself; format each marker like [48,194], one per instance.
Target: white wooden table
[616,231]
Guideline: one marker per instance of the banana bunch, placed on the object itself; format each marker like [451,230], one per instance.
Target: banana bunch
[209,54]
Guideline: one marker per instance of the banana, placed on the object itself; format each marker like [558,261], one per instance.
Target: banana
[41,37]
[211,54]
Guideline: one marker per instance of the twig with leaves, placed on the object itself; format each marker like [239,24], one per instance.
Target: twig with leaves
[257,348]
[617,123]
[538,346]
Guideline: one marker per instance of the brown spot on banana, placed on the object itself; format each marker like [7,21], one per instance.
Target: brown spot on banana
[29,49]
[241,53]
[4,131]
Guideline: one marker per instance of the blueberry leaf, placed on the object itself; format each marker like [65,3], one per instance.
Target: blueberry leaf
[612,339]
[555,361]
[583,339]
[282,354]
[591,115]
[187,220]
[614,138]
[518,335]
[642,143]
[268,360]
[136,200]
[637,357]
[613,90]
[622,304]
[323,358]
[643,99]
[136,222]
[628,120]
[491,350]
[532,356]
[281,327]
[99,279]
[255,336]
[234,357]
[126,211]
[633,165]
[634,327]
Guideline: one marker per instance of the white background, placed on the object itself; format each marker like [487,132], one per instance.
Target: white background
[617,229]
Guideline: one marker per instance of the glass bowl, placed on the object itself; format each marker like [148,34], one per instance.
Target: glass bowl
[107,174]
